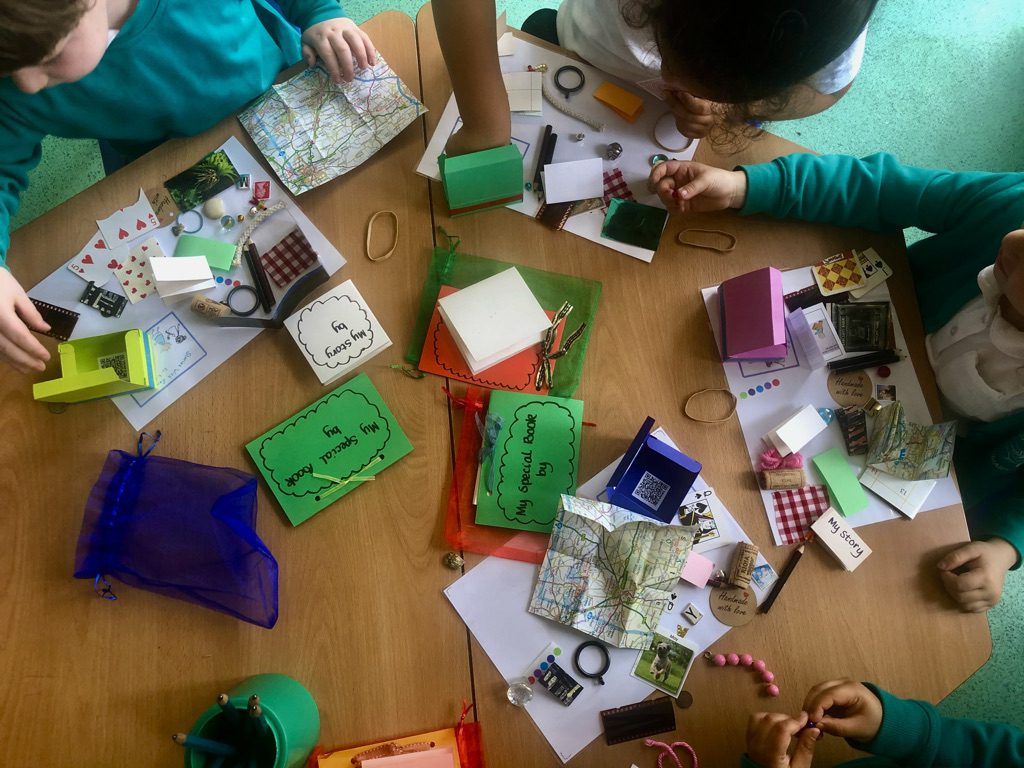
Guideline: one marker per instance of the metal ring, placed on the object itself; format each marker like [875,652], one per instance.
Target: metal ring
[199,217]
[566,90]
[255,300]
[599,674]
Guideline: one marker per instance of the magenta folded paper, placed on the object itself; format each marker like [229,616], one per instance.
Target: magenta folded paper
[753,316]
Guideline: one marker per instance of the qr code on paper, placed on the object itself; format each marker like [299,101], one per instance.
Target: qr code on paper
[651,490]
[118,361]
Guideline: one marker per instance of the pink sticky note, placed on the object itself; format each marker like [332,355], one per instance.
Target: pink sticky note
[753,316]
[697,569]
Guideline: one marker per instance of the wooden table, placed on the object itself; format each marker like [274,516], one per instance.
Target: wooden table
[363,622]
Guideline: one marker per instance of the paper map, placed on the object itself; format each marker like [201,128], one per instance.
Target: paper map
[609,572]
[311,130]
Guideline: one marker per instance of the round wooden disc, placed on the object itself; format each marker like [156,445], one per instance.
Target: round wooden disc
[733,607]
[851,388]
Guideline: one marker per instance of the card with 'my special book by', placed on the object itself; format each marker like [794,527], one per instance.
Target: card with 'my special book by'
[329,448]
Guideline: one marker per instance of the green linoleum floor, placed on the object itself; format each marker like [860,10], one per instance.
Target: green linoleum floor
[940,87]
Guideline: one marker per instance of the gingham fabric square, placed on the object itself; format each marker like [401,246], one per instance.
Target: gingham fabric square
[289,258]
[615,186]
[796,510]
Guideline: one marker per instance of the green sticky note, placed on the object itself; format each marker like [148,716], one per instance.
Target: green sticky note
[634,223]
[846,492]
[536,460]
[219,255]
[314,458]
[482,180]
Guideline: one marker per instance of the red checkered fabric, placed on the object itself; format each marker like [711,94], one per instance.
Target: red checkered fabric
[796,511]
[615,186]
[289,258]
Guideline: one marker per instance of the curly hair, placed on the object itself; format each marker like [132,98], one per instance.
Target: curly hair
[30,30]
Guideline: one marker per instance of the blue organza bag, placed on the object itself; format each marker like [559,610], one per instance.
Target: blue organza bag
[179,529]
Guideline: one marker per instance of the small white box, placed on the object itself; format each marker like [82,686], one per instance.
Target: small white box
[494,319]
[796,431]
[836,535]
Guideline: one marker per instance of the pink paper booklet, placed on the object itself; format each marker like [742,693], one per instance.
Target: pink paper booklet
[753,316]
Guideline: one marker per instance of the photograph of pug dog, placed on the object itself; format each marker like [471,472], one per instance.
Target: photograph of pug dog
[665,663]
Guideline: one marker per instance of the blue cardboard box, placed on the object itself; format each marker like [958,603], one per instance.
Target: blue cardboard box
[653,477]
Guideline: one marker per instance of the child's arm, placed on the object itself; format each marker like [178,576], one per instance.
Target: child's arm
[328,35]
[465,30]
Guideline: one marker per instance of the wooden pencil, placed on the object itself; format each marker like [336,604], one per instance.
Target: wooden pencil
[787,571]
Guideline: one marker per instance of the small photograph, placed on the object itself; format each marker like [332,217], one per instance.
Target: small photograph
[885,393]
[664,664]
[207,178]
[763,577]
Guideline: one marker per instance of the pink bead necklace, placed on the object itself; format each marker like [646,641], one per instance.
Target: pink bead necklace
[746,660]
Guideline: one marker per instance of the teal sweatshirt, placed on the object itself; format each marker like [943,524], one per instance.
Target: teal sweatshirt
[913,735]
[969,214]
[176,68]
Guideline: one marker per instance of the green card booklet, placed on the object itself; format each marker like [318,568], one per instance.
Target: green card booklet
[329,448]
[535,460]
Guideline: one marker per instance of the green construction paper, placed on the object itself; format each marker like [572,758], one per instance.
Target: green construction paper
[846,492]
[634,223]
[338,436]
[219,255]
[450,267]
[482,180]
[536,460]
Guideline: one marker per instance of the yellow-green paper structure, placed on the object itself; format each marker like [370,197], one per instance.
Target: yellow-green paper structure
[83,375]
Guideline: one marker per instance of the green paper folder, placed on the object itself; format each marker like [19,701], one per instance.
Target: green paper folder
[845,490]
[634,223]
[99,366]
[449,267]
[347,434]
[219,255]
[535,460]
[482,180]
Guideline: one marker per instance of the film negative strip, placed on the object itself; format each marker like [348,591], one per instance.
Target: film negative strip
[62,321]
[636,721]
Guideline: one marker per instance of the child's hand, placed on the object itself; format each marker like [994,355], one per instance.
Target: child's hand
[697,187]
[694,117]
[336,42]
[845,708]
[769,735]
[974,574]
[17,314]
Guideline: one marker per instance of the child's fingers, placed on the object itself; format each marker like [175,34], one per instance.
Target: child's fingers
[960,556]
[357,46]
[694,187]
[368,47]
[28,312]
[343,55]
[308,55]
[969,582]
[325,52]
[803,755]
[693,105]
[978,606]
[20,347]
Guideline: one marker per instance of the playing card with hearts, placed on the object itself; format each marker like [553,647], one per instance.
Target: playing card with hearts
[129,223]
[134,273]
[93,263]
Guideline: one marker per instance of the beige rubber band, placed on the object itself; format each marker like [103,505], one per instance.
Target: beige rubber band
[727,249]
[369,234]
[729,415]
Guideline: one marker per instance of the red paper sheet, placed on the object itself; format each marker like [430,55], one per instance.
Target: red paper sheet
[441,356]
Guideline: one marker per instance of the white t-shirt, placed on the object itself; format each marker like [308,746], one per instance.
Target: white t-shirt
[978,357]
[597,31]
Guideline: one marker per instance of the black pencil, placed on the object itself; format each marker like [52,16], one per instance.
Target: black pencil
[864,361]
[259,278]
[537,188]
[787,569]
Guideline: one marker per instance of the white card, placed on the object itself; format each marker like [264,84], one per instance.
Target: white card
[907,496]
[796,431]
[575,180]
[494,319]
[524,92]
[836,535]
[128,223]
[181,275]
[95,261]
[507,44]
[337,332]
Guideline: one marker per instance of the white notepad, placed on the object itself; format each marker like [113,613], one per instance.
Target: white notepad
[337,332]
[494,319]
[181,275]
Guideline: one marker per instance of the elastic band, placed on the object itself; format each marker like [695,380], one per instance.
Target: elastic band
[727,249]
[729,415]
[178,227]
[369,233]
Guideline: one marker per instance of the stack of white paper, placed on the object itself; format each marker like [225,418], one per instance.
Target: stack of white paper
[494,319]
[181,275]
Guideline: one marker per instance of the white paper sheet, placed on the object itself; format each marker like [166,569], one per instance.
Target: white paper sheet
[636,140]
[769,392]
[575,180]
[492,599]
[187,347]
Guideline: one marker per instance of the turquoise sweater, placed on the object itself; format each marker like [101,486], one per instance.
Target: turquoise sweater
[913,735]
[176,68]
[969,214]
